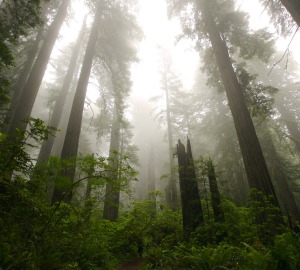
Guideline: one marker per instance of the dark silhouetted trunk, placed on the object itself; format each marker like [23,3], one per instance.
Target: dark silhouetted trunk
[17,89]
[112,192]
[293,7]
[61,99]
[190,200]
[71,141]
[35,78]
[254,161]
[214,193]
[171,190]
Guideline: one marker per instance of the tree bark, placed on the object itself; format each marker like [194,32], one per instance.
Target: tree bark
[190,200]
[61,99]
[112,192]
[35,78]
[255,165]
[71,141]
[214,193]
[17,89]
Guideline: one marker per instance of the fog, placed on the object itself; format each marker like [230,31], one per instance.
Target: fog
[199,107]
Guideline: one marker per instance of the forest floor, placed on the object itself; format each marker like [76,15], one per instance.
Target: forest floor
[132,265]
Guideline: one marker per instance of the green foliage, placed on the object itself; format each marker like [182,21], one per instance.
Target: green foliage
[36,235]
[14,147]
[241,247]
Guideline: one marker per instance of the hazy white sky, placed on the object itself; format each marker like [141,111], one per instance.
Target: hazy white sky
[160,33]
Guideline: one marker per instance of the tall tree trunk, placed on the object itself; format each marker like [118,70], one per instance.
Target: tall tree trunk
[293,7]
[190,200]
[71,141]
[63,124]
[88,190]
[61,99]
[151,178]
[287,198]
[17,89]
[171,190]
[151,172]
[35,78]
[291,123]
[112,192]
[255,165]
[214,193]
[240,185]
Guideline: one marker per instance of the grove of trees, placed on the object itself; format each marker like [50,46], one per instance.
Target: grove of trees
[201,175]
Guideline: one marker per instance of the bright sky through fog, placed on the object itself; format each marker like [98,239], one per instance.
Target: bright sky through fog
[159,33]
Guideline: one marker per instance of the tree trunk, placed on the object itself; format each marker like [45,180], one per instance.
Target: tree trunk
[17,89]
[151,173]
[151,178]
[214,193]
[171,190]
[255,165]
[291,123]
[61,99]
[35,78]
[190,200]
[293,7]
[63,124]
[287,198]
[112,192]
[71,141]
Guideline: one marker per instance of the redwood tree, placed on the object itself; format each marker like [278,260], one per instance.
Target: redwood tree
[35,78]
[254,161]
[61,98]
[112,192]
[71,142]
[171,189]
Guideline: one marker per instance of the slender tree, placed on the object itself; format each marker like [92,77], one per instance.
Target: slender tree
[151,171]
[214,192]
[21,81]
[16,19]
[61,98]
[112,192]
[38,70]
[71,141]
[171,189]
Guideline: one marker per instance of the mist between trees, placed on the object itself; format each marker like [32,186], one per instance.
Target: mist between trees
[110,159]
